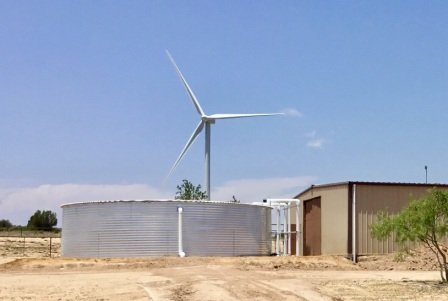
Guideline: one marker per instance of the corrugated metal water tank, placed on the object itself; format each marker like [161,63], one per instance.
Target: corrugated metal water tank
[150,228]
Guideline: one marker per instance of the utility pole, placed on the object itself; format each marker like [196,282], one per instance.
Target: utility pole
[426,173]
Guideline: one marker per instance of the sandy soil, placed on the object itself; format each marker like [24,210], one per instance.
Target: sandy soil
[218,278]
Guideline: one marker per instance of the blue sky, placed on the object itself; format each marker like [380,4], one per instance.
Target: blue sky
[91,107]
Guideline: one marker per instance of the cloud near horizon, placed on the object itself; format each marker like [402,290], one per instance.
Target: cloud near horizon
[18,204]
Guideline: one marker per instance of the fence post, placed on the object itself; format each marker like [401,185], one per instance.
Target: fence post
[50,246]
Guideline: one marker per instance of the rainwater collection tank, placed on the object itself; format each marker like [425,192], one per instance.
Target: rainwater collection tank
[151,228]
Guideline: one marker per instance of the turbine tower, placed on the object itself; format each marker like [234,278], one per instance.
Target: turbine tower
[206,121]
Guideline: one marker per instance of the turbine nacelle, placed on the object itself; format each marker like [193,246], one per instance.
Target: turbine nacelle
[208,119]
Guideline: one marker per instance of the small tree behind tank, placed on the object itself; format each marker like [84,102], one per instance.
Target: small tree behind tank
[187,191]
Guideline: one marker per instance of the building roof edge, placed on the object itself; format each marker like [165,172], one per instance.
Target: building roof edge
[429,185]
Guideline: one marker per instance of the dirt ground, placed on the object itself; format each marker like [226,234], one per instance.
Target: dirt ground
[392,277]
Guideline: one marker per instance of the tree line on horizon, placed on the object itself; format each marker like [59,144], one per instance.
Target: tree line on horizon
[45,220]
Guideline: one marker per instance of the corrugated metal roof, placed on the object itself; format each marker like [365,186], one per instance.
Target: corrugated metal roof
[370,183]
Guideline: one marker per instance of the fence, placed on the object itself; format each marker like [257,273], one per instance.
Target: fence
[29,243]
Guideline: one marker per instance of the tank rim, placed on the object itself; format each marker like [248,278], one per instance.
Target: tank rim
[160,201]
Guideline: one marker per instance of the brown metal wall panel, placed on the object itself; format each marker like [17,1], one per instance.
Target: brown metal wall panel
[370,200]
[312,227]
[334,220]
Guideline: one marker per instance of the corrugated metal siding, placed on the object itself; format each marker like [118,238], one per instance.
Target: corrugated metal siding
[226,230]
[371,199]
[366,244]
[149,228]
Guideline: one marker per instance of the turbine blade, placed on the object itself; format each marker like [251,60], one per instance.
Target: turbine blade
[196,132]
[228,116]
[187,87]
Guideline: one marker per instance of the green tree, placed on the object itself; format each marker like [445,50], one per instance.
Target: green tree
[4,223]
[42,220]
[424,220]
[187,191]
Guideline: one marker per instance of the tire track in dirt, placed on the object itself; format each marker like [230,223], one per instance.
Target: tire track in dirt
[220,283]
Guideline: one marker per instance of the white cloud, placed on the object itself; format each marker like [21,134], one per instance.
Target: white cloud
[291,112]
[18,204]
[254,190]
[316,143]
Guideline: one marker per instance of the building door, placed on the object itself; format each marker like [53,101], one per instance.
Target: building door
[312,227]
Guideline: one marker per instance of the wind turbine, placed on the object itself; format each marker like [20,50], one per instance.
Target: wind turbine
[206,121]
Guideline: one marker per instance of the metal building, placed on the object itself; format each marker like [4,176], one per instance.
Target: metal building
[336,217]
[164,228]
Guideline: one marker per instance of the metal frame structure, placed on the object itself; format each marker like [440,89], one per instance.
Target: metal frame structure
[285,206]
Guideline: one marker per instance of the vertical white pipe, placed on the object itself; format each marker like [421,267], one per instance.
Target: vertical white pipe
[277,244]
[285,242]
[298,227]
[289,228]
[181,249]
[354,224]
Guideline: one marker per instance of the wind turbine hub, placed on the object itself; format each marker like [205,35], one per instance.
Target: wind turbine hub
[208,119]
